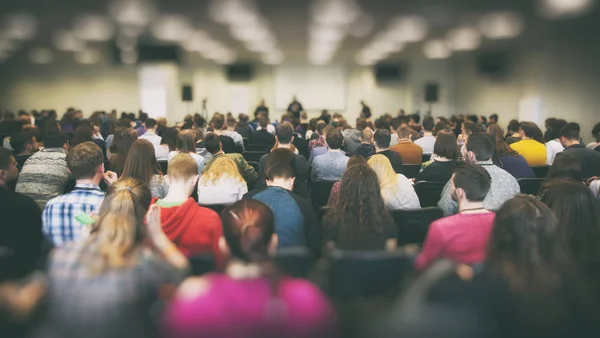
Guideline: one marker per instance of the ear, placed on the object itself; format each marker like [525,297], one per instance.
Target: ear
[223,247]
[273,245]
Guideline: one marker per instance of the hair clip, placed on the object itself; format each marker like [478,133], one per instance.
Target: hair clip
[125,188]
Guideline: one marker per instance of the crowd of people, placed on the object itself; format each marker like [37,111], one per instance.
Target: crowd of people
[101,217]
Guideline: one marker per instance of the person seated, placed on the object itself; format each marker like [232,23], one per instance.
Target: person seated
[21,225]
[200,148]
[243,126]
[107,284]
[150,133]
[397,191]
[381,140]
[410,152]
[229,145]
[141,164]
[221,183]
[296,222]
[186,144]
[508,159]
[553,145]
[318,139]
[262,137]
[168,144]
[193,229]
[230,131]
[203,305]
[467,128]
[445,153]
[532,145]
[358,219]
[330,166]
[404,121]
[565,167]
[480,149]
[280,157]
[589,159]
[60,217]
[352,136]
[45,174]
[323,149]
[284,140]
[123,140]
[366,148]
[213,145]
[462,237]
[427,141]
[24,144]
[335,189]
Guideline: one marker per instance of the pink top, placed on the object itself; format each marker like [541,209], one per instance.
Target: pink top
[246,308]
[462,238]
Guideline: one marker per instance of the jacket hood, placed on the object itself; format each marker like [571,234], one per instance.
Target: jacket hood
[353,134]
[175,219]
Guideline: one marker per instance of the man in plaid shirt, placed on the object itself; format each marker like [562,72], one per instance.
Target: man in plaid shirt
[86,163]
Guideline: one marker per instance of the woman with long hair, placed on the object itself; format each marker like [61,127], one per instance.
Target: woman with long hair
[358,218]
[445,154]
[221,183]
[506,158]
[123,140]
[141,164]
[105,285]
[186,144]
[168,144]
[397,191]
[335,189]
[251,298]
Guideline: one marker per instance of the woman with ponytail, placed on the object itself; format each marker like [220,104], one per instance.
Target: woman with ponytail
[105,285]
[251,299]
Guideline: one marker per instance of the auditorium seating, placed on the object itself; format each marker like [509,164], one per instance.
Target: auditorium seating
[530,186]
[246,142]
[541,171]
[201,264]
[414,224]
[429,193]
[253,156]
[319,193]
[426,157]
[411,170]
[258,147]
[295,262]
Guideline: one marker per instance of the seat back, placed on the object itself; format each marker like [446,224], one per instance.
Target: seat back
[201,264]
[414,224]
[254,165]
[258,147]
[366,273]
[302,146]
[411,170]
[530,186]
[218,208]
[541,171]
[295,262]
[429,193]
[253,156]
[246,142]
[319,193]
[164,166]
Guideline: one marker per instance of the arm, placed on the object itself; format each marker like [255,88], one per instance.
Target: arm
[432,248]
[312,228]
[161,242]
[446,203]
[242,190]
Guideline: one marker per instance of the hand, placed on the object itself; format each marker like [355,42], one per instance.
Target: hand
[110,177]
[153,224]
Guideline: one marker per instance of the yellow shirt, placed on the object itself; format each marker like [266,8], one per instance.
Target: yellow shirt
[533,151]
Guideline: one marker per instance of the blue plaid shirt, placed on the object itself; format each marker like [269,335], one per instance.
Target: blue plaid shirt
[59,223]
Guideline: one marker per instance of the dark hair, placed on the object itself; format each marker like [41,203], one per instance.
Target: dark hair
[570,132]
[83,133]
[5,156]
[278,157]
[321,125]
[169,137]
[470,127]
[482,145]
[428,123]
[150,123]
[382,138]
[531,130]
[263,121]
[361,123]
[439,127]
[555,127]
[20,140]
[218,122]
[285,132]
[141,162]
[83,160]
[501,147]
[474,180]
[122,142]
[55,140]
[445,145]
[243,118]
[212,143]
[473,118]
[312,124]
[280,171]
[494,117]
[483,119]
[334,139]
[513,127]
[415,117]
[566,166]
[381,123]
[186,142]
[596,132]
[143,117]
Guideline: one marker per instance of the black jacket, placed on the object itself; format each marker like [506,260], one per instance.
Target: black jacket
[589,159]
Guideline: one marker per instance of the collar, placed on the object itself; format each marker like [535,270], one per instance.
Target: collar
[87,186]
[577,145]
[150,133]
[488,162]
[53,150]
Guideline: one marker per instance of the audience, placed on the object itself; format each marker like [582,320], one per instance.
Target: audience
[366,148]
[352,136]
[532,145]
[480,149]
[397,191]
[284,139]
[265,303]
[381,140]
[553,146]
[61,217]
[45,174]
[323,149]
[358,219]
[141,164]
[213,145]
[262,137]
[589,159]
[330,166]
[285,157]
[296,223]
[120,149]
[150,133]
[168,144]
[508,159]
[24,144]
[186,144]
[565,167]
[445,156]
[221,183]
[193,229]
[463,237]
[410,152]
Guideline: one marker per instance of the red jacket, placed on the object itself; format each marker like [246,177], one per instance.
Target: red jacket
[193,229]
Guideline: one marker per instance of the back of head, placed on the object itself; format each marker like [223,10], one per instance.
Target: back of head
[285,133]
[555,127]
[263,121]
[404,132]
[565,166]
[169,137]
[83,133]
[21,140]
[445,145]
[383,169]
[212,143]
[280,156]
[218,122]
[124,142]
[150,123]
[469,127]
[439,127]
[473,180]
[361,123]
[141,161]
[494,118]
[532,131]
[248,227]
[428,123]
[366,136]
[382,138]
[596,132]
[143,117]
[570,132]
[355,159]
[381,123]
[482,145]
[84,159]
[55,140]
[186,142]
[334,139]
[280,171]
[231,122]
[513,127]
[8,168]
[182,167]
[321,125]
[221,167]
[243,118]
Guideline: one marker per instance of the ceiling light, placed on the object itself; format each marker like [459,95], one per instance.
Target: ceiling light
[41,56]
[132,13]
[19,26]
[326,34]
[172,28]
[261,46]
[387,46]
[365,61]
[67,41]
[335,13]
[93,28]
[233,11]
[250,33]
[554,9]
[463,39]
[501,25]
[87,57]
[408,29]
[436,49]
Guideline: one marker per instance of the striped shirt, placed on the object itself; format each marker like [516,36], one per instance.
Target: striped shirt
[59,223]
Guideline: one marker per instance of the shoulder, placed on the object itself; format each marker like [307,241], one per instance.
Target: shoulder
[22,201]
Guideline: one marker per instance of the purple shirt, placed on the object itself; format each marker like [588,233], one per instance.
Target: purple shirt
[141,130]
[247,308]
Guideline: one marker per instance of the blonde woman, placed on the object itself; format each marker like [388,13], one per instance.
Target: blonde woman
[221,183]
[397,191]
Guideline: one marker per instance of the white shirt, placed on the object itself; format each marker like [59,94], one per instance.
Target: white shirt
[225,190]
[393,139]
[403,197]
[553,147]
[237,138]
[270,128]
[593,145]
[162,152]
[152,137]
[427,143]
[199,159]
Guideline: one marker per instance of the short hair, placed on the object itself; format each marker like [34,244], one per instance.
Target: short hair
[361,123]
[285,132]
[381,123]
[19,140]
[150,123]
[382,138]
[440,126]
[182,166]
[334,139]
[212,143]
[474,180]
[596,130]
[415,117]
[55,140]
[445,145]
[83,160]
[366,135]
[143,116]
[280,171]
[494,117]
[469,127]
[321,126]
[531,130]
[218,122]
[570,132]
[263,122]
[5,156]
[428,123]
[404,132]
[482,145]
